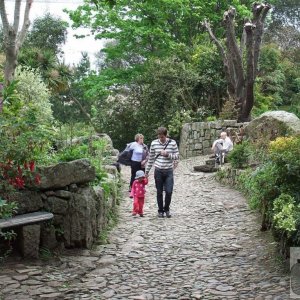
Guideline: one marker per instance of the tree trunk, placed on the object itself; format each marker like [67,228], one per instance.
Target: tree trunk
[13,38]
[241,75]
[249,95]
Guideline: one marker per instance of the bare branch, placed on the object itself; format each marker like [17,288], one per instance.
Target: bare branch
[213,38]
[26,24]
[256,10]
[4,17]
[264,13]
[83,111]
[228,69]
[249,97]
[233,51]
[17,15]
[259,18]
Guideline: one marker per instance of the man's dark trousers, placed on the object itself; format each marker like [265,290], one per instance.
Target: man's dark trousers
[164,180]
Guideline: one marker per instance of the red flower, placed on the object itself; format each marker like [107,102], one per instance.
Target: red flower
[37,179]
[19,182]
[19,171]
[31,166]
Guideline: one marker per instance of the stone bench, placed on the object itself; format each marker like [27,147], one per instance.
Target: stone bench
[30,230]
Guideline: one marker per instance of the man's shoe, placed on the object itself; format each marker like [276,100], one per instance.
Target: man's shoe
[160,215]
[168,215]
[141,215]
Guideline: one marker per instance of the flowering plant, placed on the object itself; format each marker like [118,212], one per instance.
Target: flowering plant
[18,176]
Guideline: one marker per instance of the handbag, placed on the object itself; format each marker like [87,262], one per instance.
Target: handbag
[124,157]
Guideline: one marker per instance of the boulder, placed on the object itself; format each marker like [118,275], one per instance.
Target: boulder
[272,124]
[205,168]
[63,174]
[27,201]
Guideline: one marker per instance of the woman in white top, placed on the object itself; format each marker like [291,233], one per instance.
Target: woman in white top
[139,156]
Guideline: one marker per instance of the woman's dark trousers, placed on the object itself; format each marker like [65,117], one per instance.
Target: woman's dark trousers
[135,166]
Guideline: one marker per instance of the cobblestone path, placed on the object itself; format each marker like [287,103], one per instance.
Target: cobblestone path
[211,248]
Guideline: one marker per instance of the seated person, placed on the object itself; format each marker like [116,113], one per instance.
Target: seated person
[222,145]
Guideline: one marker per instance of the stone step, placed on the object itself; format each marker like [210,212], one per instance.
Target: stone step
[205,168]
[210,162]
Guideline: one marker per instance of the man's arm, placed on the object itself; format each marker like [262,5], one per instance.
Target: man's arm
[151,160]
[171,152]
[174,155]
[214,145]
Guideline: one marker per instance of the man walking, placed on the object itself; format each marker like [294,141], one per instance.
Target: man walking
[163,153]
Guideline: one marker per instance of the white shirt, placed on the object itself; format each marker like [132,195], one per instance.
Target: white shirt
[137,154]
[227,144]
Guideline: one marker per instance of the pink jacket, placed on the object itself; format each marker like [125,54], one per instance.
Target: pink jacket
[138,188]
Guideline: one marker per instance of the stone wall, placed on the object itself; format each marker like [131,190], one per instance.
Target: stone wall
[80,210]
[197,138]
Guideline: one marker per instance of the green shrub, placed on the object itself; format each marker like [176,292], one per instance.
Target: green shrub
[7,209]
[284,153]
[239,156]
[273,188]
[211,118]
[72,153]
[261,185]
[285,213]
[94,150]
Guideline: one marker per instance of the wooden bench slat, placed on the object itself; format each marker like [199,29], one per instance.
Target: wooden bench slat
[24,219]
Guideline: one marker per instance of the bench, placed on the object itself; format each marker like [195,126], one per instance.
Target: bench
[30,230]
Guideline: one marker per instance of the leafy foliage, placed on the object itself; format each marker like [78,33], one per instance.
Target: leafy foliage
[94,150]
[273,188]
[285,213]
[277,85]
[25,126]
[147,30]
[48,32]
[7,209]
[238,157]
[35,95]
[285,154]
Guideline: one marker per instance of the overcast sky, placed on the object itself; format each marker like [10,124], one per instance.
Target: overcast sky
[73,47]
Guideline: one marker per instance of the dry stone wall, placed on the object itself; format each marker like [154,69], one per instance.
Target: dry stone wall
[80,210]
[197,138]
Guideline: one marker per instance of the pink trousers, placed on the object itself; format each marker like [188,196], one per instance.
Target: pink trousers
[138,205]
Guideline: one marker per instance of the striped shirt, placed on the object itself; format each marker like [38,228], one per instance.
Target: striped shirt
[162,162]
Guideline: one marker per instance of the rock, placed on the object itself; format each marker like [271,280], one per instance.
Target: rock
[28,201]
[63,174]
[205,168]
[272,124]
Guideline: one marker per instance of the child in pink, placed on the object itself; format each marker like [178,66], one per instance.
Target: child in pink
[138,193]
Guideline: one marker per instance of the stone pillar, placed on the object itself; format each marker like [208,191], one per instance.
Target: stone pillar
[30,240]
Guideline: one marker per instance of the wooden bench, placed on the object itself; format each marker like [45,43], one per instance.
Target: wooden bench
[30,230]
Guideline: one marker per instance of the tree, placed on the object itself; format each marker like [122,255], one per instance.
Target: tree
[285,13]
[48,32]
[142,30]
[241,73]
[13,38]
